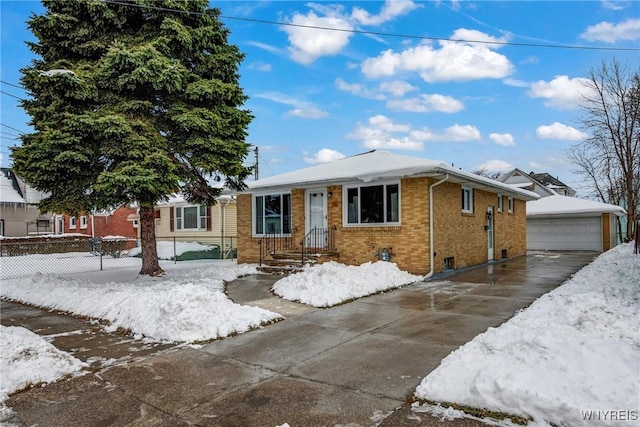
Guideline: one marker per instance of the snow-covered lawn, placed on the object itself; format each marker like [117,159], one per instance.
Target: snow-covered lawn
[573,354]
[186,305]
[331,283]
[27,359]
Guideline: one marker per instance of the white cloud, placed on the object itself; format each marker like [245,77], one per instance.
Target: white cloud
[494,165]
[357,89]
[477,36]
[504,139]
[323,156]
[382,132]
[454,61]
[427,103]
[397,87]
[613,5]
[302,108]
[386,124]
[515,82]
[611,33]
[390,10]
[308,44]
[560,131]
[308,112]
[561,92]
[260,66]
[267,47]
[457,133]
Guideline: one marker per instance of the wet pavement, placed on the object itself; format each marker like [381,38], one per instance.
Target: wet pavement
[355,364]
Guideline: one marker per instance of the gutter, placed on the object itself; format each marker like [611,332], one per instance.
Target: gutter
[431,255]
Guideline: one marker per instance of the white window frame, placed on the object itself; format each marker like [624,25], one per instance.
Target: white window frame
[359,223]
[254,219]
[83,222]
[72,222]
[511,204]
[469,208]
[135,223]
[500,203]
[178,218]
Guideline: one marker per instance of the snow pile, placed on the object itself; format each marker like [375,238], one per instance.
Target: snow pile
[573,354]
[188,305]
[166,250]
[27,359]
[331,283]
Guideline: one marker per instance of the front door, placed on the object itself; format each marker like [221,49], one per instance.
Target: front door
[59,225]
[490,233]
[316,219]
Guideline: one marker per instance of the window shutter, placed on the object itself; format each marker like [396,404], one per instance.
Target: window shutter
[172,214]
[208,211]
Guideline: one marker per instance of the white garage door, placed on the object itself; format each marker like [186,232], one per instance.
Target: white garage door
[575,234]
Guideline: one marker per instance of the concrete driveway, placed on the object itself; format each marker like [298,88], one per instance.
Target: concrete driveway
[354,364]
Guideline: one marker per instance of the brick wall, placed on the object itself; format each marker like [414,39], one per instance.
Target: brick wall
[114,224]
[457,234]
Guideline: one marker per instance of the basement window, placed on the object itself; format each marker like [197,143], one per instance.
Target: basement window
[449,263]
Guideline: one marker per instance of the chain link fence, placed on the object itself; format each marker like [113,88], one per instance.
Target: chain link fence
[196,247]
[26,256]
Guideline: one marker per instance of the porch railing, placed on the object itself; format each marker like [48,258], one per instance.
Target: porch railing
[317,240]
[277,242]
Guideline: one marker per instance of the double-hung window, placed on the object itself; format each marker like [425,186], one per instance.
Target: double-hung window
[467,200]
[500,203]
[272,214]
[191,217]
[83,221]
[373,204]
[72,222]
[510,201]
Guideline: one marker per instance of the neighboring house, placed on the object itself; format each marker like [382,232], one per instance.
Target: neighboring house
[122,221]
[542,184]
[421,214]
[185,221]
[568,223]
[19,215]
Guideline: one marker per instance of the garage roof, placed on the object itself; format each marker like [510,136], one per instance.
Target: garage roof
[563,205]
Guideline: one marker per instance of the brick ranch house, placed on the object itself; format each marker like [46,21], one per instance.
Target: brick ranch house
[421,214]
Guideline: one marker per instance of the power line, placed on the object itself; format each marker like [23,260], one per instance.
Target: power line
[11,84]
[378,33]
[9,134]
[12,128]
[13,96]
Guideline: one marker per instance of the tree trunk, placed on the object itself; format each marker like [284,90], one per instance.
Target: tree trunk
[150,265]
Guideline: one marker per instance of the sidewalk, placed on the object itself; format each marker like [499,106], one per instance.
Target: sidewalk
[354,364]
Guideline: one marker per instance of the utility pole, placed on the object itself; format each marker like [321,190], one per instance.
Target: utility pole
[255,170]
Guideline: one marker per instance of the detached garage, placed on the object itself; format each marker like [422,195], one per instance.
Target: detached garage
[571,224]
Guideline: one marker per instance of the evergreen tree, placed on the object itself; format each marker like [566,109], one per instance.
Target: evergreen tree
[130,102]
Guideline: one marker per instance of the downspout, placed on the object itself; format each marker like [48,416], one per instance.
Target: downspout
[93,228]
[431,256]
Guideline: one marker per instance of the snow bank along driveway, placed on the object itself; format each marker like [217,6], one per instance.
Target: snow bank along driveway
[571,358]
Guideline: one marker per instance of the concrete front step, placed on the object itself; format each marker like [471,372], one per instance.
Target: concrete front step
[279,269]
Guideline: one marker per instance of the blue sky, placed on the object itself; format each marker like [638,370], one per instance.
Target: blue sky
[318,95]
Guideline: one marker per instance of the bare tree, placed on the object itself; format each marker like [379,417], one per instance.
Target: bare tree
[609,159]
[486,173]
